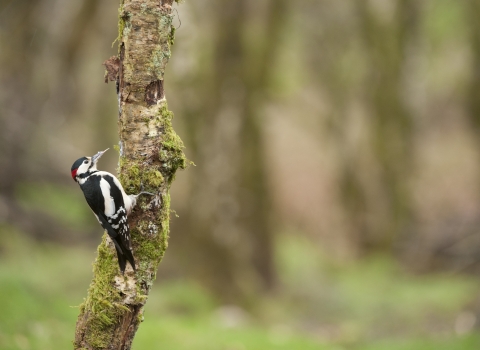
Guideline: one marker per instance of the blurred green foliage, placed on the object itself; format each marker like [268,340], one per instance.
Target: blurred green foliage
[323,305]
[35,196]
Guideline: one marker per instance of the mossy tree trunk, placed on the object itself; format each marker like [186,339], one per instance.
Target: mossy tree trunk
[150,154]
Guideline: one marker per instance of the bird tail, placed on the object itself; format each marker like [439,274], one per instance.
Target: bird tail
[122,262]
[124,254]
[129,256]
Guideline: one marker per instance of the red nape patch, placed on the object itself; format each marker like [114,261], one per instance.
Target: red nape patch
[74,173]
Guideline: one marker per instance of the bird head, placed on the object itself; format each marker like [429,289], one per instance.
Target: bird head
[85,165]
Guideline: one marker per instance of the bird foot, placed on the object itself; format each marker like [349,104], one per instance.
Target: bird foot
[143,192]
[151,194]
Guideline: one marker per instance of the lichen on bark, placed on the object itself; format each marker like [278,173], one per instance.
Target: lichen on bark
[150,154]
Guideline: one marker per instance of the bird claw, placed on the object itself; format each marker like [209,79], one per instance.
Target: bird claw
[150,193]
[144,192]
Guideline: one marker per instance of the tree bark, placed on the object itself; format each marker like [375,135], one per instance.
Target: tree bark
[150,154]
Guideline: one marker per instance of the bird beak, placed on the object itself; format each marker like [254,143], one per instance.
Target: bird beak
[97,156]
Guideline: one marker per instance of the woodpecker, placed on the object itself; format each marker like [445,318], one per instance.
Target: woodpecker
[109,202]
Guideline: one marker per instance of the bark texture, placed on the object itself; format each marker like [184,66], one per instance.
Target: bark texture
[150,154]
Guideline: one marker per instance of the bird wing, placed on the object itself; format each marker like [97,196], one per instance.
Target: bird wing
[93,195]
[118,218]
[106,201]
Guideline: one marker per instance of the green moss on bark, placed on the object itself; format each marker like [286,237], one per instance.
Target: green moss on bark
[105,301]
[171,153]
[150,236]
[151,175]
[103,298]
[123,18]
[171,37]
[134,176]
[155,62]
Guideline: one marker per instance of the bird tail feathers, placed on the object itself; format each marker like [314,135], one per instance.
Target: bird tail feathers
[122,262]
[124,254]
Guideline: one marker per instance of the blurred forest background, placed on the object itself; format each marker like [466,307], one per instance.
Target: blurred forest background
[335,199]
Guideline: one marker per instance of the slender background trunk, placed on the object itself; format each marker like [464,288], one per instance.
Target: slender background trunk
[230,208]
[392,131]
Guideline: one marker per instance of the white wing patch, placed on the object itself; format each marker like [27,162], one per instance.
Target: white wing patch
[126,199]
[109,202]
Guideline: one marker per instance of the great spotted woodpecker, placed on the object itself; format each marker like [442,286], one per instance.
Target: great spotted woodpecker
[109,203]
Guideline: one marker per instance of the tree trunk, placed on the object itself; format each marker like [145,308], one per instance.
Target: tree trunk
[228,214]
[473,102]
[150,154]
[386,45]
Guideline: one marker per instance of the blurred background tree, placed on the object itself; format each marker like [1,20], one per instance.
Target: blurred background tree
[336,177]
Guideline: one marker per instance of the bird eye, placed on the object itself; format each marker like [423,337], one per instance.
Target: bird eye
[85,162]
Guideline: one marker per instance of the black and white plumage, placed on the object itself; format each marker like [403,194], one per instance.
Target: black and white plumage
[109,203]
